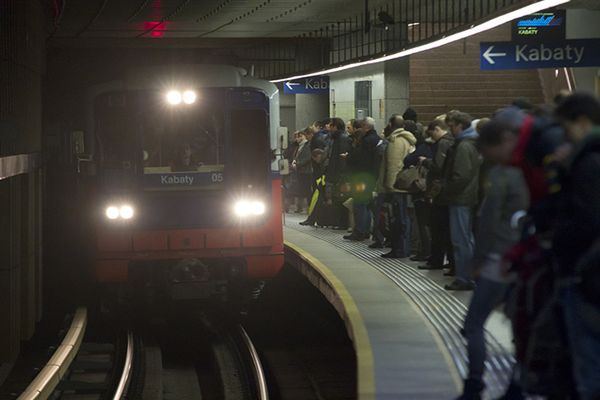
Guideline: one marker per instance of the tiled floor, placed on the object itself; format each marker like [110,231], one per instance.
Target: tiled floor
[443,310]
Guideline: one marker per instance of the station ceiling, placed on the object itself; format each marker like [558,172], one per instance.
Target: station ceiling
[197,18]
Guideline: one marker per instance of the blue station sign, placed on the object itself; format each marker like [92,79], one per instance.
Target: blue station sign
[565,53]
[311,85]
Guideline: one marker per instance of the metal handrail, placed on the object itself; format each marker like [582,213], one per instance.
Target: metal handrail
[49,377]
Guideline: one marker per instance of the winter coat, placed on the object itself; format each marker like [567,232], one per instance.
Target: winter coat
[435,164]
[303,159]
[506,193]
[460,175]
[578,221]
[401,143]
[363,159]
[336,165]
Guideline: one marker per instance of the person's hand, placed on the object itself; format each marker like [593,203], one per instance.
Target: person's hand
[421,159]
[344,155]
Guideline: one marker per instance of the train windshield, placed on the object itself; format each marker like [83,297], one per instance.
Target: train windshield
[173,147]
[184,148]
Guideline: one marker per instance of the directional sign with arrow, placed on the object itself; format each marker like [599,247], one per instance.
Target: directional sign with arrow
[311,85]
[565,53]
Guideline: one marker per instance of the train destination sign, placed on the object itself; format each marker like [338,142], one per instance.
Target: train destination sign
[184,179]
[310,85]
[566,53]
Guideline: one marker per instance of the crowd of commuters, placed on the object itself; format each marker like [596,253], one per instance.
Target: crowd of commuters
[508,205]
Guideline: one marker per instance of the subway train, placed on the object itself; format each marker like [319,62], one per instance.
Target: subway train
[182,169]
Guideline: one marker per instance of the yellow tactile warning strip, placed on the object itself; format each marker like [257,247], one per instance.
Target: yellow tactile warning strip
[358,329]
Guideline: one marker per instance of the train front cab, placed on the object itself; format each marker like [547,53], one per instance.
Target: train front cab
[220,232]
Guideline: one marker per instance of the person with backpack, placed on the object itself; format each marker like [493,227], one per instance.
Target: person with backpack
[505,196]
[576,243]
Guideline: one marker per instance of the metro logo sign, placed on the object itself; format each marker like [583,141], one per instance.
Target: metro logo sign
[566,53]
[540,26]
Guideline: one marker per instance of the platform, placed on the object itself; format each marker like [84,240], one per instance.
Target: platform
[404,325]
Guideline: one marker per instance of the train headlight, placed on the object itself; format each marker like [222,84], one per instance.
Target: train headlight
[189,97]
[112,212]
[174,97]
[124,211]
[247,208]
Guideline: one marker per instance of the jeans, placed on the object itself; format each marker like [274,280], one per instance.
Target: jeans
[463,243]
[583,332]
[486,296]
[441,245]
[362,218]
[400,225]
[377,205]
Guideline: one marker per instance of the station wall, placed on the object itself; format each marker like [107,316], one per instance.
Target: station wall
[389,90]
[583,24]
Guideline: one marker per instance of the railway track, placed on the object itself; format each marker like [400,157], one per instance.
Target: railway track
[211,360]
[80,367]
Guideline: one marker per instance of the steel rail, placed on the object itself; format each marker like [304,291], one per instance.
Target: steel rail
[46,381]
[127,367]
[259,374]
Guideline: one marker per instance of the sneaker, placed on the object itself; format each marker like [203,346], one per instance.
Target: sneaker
[459,285]
[430,267]
[307,223]
[376,245]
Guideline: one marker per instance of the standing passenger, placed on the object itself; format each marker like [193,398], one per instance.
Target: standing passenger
[506,194]
[335,171]
[441,245]
[302,168]
[364,165]
[460,192]
[401,143]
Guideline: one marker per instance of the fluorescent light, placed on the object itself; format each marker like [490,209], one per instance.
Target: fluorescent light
[413,24]
[473,30]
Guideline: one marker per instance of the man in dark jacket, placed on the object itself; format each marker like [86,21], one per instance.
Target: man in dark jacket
[335,170]
[441,245]
[363,163]
[460,192]
[576,244]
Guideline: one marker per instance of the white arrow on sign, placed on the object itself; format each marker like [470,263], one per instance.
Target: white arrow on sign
[290,85]
[488,55]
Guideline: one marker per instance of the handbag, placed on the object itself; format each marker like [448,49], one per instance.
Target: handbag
[412,179]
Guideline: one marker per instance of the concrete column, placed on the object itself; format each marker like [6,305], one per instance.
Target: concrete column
[311,108]
[397,80]
[583,24]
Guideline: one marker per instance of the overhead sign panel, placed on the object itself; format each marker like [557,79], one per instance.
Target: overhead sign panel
[566,53]
[540,26]
[311,85]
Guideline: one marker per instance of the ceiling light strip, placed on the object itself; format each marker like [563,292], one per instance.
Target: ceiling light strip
[473,30]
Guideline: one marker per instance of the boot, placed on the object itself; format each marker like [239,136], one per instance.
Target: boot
[472,390]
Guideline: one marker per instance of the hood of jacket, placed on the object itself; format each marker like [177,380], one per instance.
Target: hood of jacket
[403,134]
[467,133]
